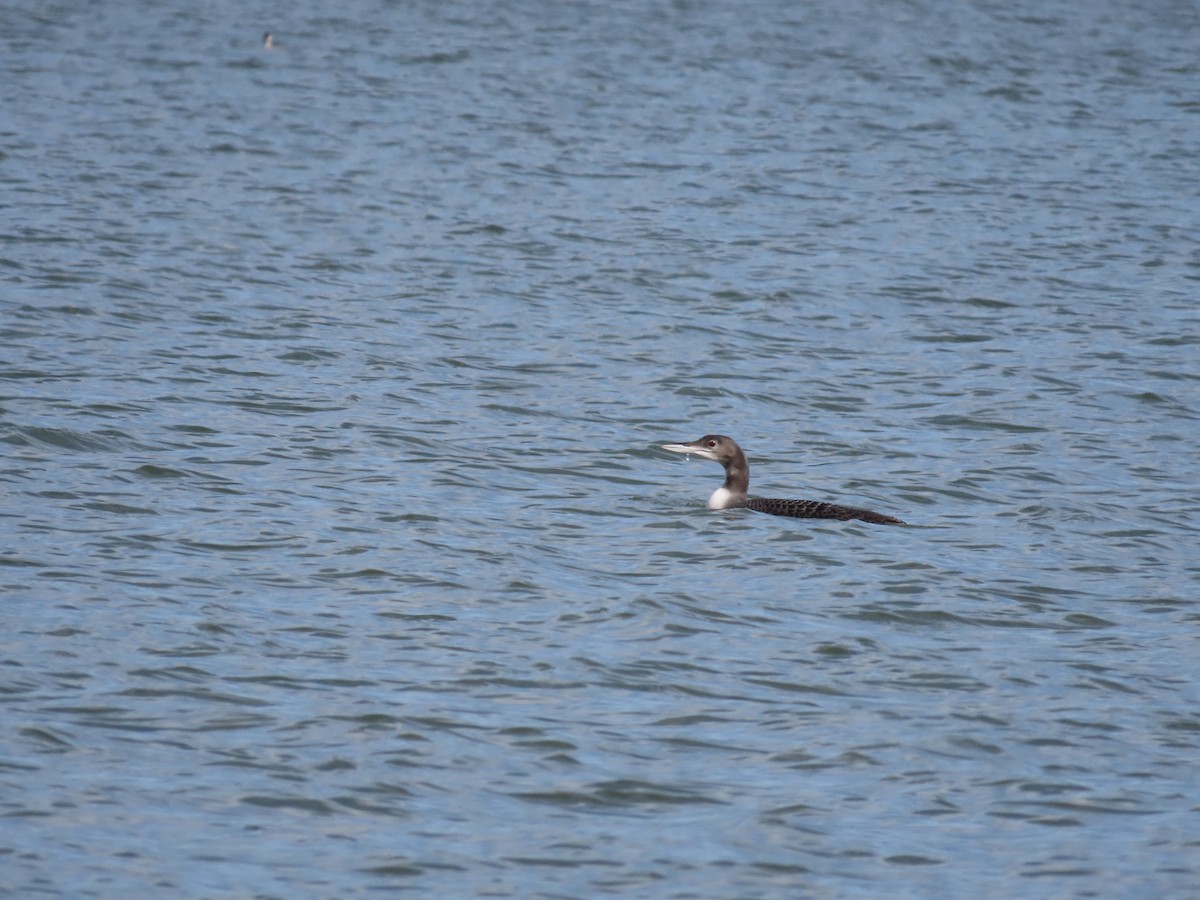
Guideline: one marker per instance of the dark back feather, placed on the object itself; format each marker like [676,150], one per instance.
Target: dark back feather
[815,509]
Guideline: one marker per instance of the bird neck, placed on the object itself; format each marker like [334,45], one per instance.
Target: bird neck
[737,474]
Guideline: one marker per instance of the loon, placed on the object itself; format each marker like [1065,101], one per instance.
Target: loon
[733,493]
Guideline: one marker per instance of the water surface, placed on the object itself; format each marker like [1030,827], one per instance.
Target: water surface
[338,553]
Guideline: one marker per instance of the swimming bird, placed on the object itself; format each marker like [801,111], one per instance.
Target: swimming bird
[269,41]
[733,494]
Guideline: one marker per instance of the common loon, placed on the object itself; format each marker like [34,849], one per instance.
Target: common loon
[733,493]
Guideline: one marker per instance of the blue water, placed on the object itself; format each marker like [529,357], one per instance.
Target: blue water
[338,553]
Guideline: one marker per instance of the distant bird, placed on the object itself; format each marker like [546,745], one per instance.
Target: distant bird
[268,41]
[733,494]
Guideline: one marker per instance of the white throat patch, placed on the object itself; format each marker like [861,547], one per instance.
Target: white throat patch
[722,498]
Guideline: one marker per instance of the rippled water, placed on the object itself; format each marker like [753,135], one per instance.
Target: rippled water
[338,553]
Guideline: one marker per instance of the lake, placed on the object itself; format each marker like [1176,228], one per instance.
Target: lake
[339,556]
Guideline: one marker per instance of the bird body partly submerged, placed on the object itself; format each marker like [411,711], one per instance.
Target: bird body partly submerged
[734,493]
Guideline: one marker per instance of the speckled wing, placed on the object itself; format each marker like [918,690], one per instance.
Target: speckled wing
[815,509]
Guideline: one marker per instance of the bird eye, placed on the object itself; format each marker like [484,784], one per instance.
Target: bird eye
[712,443]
